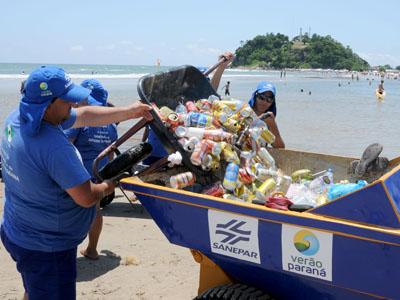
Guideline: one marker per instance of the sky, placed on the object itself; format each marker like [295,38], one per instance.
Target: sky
[131,32]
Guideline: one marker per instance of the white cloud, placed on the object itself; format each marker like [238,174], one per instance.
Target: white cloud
[76,48]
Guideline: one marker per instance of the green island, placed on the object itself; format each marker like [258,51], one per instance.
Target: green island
[277,51]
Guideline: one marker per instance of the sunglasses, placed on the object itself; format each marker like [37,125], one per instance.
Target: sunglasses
[269,99]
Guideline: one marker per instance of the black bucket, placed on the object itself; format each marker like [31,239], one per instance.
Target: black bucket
[170,88]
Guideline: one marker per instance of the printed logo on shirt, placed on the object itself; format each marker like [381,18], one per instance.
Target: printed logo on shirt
[9,133]
[307,252]
[233,235]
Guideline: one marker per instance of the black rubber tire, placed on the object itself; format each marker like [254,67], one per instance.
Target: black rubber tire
[107,200]
[125,161]
[233,291]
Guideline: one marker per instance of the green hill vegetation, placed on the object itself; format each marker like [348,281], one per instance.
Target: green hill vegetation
[276,51]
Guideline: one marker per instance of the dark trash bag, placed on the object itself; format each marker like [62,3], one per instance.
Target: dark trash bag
[170,88]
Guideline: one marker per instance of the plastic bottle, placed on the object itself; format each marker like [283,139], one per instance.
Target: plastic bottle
[213,98]
[263,173]
[231,176]
[321,183]
[339,189]
[180,109]
[266,158]
[182,180]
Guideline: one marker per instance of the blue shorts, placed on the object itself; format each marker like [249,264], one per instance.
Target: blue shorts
[46,275]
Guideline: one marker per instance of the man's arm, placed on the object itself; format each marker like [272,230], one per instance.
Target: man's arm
[99,116]
[88,194]
[216,78]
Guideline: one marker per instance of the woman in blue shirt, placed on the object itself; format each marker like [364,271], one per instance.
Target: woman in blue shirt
[90,142]
[263,101]
[49,200]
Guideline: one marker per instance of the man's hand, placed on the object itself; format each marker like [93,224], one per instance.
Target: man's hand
[139,110]
[228,56]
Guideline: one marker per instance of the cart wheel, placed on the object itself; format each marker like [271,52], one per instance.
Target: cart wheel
[107,200]
[233,291]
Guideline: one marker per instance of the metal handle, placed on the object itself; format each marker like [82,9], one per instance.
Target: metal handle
[212,68]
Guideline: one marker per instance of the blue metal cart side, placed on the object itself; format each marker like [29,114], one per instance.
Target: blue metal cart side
[287,254]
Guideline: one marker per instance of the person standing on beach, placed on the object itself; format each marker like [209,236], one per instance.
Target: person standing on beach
[149,135]
[50,202]
[90,142]
[263,101]
[226,87]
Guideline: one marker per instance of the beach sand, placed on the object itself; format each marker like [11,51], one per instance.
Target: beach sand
[136,262]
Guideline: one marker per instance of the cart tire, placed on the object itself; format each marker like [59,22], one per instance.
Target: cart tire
[125,161]
[233,291]
[107,200]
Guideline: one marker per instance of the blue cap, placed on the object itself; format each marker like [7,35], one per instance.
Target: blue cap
[42,86]
[98,95]
[263,87]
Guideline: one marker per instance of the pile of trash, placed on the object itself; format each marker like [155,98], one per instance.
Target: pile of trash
[227,135]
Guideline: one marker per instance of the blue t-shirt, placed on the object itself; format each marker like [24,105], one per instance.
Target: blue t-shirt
[91,141]
[38,212]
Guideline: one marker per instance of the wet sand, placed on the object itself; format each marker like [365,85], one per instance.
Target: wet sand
[136,261]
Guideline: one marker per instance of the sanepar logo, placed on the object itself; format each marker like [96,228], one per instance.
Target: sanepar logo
[234,236]
[306,242]
[233,232]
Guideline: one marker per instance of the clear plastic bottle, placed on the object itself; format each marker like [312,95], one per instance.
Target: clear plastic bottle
[339,189]
[266,158]
[321,183]
[180,109]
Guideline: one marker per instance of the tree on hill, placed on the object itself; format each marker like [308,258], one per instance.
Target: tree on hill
[277,51]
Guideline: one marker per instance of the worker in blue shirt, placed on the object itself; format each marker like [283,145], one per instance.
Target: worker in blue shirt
[50,202]
[90,142]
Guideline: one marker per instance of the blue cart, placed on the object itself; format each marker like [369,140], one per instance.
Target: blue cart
[348,248]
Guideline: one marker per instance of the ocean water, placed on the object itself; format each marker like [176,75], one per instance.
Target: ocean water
[324,118]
